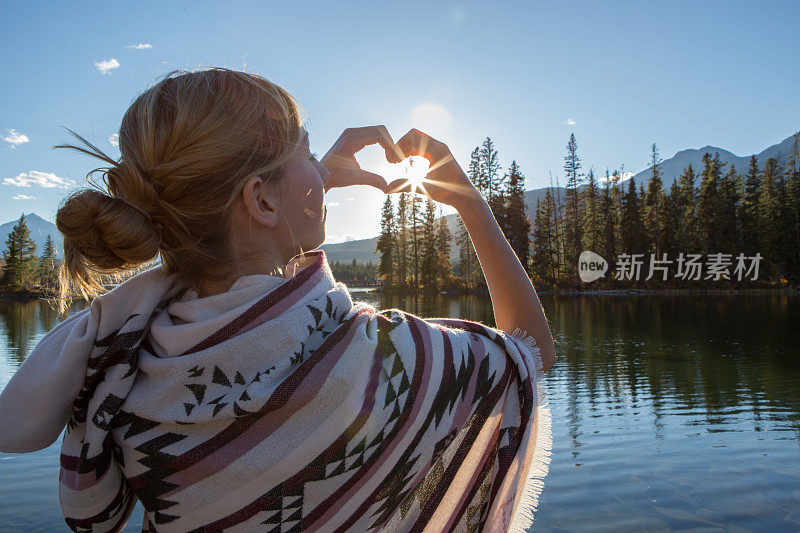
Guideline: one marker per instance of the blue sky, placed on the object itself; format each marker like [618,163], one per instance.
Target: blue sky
[620,75]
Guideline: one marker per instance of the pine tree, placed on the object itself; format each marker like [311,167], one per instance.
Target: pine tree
[490,169]
[469,268]
[387,241]
[48,265]
[428,245]
[654,205]
[20,256]
[727,204]
[474,173]
[644,235]
[688,230]
[466,254]
[416,224]
[632,236]
[592,216]
[708,200]
[402,239]
[573,212]
[560,232]
[672,221]
[545,247]
[517,223]
[748,209]
[793,191]
[769,218]
[784,245]
[443,237]
[611,220]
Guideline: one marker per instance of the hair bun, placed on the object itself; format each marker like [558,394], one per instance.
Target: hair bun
[104,233]
[144,213]
[188,145]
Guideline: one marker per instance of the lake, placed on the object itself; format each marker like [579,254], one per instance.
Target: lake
[670,412]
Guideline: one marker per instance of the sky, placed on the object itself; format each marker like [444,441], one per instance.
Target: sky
[620,75]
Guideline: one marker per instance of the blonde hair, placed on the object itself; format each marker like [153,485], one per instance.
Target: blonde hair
[187,146]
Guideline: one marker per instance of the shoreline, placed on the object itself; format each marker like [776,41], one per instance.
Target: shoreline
[26,296]
[789,291]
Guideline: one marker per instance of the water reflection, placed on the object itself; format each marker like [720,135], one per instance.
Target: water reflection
[669,412]
[679,354]
[21,321]
[719,356]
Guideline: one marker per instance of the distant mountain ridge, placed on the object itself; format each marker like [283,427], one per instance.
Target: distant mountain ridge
[40,229]
[363,250]
[673,167]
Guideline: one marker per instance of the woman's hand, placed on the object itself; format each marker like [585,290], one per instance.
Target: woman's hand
[341,161]
[445,181]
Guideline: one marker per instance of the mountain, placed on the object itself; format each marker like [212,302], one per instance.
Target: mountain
[673,167]
[363,250]
[40,229]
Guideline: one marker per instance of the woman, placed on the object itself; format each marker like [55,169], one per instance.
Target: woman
[237,386]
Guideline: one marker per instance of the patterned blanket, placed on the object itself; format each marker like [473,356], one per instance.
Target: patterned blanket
[295,408]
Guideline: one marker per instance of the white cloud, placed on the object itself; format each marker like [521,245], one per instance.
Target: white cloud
[14,138]
[350,198]
[333,204]
[114,139]
[48,180]
[23,197]
[107,65]
[140,46]
[624,176]
[569,122]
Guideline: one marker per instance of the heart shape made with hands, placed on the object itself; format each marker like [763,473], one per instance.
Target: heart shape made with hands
[413,168]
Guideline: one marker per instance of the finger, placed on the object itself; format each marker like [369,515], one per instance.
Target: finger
[418,143]
[393,154]
[333,161]
[399,185]
[360,177]
[373,180]
[386,142]
[362,137]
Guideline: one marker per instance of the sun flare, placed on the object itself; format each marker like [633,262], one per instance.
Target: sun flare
[414,169]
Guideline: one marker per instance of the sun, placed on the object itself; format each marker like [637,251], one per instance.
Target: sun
[414,169]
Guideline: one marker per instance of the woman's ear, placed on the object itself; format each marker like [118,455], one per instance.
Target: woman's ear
[261,202]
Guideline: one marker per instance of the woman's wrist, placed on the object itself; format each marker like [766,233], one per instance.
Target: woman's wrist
[470,203]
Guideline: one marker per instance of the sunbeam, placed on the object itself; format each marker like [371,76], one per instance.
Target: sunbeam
[414,170]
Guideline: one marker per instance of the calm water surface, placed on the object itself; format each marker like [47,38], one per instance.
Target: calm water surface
[669,412]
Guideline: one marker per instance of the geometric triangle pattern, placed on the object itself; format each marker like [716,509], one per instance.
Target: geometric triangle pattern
[306,407]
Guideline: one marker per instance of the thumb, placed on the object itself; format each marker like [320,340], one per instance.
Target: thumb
[374,180]
[399,185]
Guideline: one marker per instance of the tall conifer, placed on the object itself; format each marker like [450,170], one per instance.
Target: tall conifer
[48,265]
[573,210]
[654,205]
[517,223]
[443,237]
[402,238]
[387,242]
[20,256]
